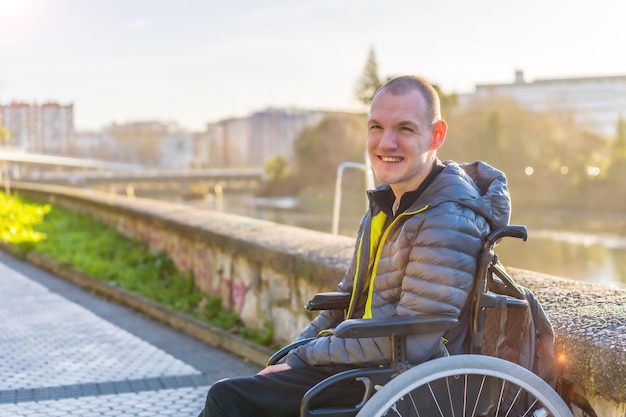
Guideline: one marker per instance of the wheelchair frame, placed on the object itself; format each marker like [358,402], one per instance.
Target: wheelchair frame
[444,386]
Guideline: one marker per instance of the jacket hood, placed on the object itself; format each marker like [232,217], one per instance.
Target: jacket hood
[475,185]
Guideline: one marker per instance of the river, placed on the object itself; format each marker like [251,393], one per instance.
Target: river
[574,247]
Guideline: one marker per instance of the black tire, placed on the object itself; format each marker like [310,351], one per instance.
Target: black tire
[466,385]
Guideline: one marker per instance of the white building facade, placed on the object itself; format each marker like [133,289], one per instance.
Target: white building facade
[39,128]
[596,102]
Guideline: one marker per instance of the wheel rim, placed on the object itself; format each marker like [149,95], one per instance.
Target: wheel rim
[466,385]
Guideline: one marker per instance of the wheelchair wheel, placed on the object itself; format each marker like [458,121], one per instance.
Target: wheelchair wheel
[466,385]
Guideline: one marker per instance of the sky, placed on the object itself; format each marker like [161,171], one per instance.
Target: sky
[200,61]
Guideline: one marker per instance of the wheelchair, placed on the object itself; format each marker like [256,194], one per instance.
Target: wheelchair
[469,384]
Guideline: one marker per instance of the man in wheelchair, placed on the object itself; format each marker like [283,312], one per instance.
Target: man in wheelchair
[415,254]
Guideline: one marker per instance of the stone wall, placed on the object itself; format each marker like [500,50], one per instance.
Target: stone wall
[266,271]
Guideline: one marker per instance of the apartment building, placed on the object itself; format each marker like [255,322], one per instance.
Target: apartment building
[249,141]
[241,142]
[39,128]
[273,132]
[597,102]
[177,150]
[148,143]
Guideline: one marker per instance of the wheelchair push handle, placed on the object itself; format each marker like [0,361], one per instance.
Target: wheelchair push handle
[519,232]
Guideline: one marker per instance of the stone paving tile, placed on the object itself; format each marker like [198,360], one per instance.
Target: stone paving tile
[59,359]
[48,341]
[185,402]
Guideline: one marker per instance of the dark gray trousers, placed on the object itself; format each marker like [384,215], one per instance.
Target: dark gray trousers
[276,395]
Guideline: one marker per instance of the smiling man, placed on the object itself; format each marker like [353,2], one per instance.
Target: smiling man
[416,253]
[405,130]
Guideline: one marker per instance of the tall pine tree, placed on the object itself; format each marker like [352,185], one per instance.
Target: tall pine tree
[369,82]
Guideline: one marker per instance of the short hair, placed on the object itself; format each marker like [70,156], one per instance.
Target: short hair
[405,83]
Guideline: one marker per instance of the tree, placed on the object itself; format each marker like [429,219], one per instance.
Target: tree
[489,138]
[619,145]
[618,152]
[276,168]
[369,82]
[446,101]
[321,148]
[548,157]
[278,179]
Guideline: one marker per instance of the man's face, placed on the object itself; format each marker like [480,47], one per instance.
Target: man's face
[399,140]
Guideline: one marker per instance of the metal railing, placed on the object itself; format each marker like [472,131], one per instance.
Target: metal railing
[369,185]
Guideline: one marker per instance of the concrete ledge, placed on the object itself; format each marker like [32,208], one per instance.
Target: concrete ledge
[590,325]
[318,257]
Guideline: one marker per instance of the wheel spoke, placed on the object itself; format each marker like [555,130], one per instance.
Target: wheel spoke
[531,407]
[395,409]
[465,396]
[480,391]
[501,397]
[414,404]
[519,391]
[430,388]
[465,386]
[450,396]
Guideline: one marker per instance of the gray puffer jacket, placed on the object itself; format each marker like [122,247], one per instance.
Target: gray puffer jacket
[424,263]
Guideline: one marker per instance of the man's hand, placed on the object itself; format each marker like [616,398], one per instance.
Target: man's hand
[274,368]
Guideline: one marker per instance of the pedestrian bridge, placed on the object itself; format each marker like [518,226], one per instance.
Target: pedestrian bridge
[17,158]
[129,178]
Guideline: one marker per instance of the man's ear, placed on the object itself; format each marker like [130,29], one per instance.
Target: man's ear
[440,128]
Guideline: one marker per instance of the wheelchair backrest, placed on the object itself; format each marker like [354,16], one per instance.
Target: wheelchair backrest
[507,320]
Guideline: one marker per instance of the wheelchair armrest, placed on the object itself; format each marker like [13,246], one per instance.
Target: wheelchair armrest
[281,353]
[371,378]
[394,326]
[329,301]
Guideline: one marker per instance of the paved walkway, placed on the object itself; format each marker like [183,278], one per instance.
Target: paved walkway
[64,352]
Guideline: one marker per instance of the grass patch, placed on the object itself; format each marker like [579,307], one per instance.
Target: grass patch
[80,242]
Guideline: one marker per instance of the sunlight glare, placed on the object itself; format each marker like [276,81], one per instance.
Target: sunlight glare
[10,7]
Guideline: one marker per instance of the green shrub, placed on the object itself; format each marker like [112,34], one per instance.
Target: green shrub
[18,220]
